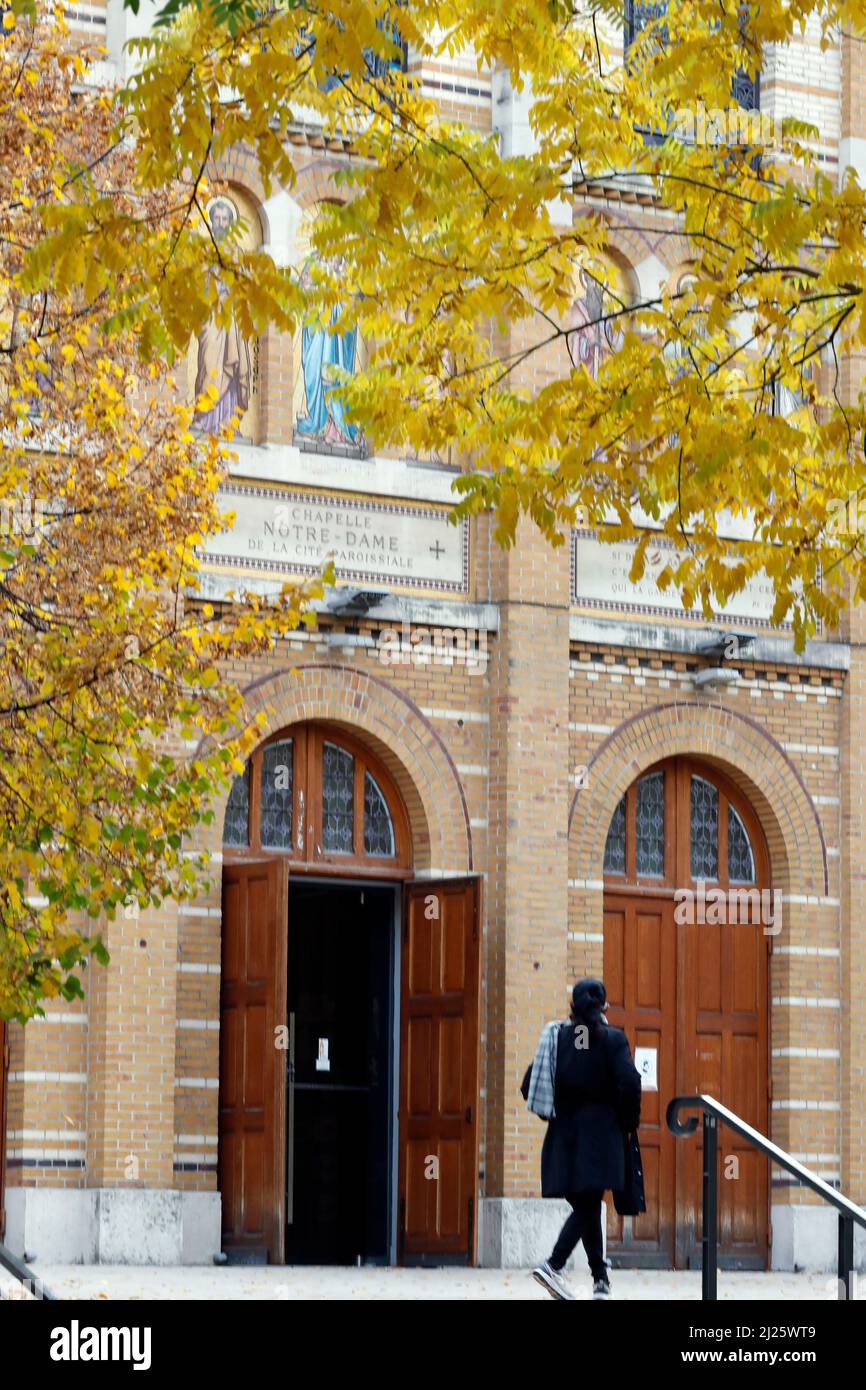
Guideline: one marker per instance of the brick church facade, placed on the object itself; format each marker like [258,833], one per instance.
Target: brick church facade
[497,767]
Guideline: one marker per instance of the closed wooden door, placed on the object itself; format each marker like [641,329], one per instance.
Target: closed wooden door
[253,1057]
[439,1031]
[686,967]
[4,1067]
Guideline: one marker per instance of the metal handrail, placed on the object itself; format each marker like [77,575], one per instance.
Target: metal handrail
[25,1275]
[713,1113]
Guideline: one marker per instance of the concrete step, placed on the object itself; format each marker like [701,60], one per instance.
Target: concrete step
[301,1282]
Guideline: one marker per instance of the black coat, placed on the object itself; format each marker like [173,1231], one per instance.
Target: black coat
[597,1099]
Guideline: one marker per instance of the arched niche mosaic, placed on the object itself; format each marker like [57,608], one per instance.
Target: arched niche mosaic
[220,358]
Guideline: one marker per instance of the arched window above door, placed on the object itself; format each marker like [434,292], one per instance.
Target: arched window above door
[322,798]
[716,841]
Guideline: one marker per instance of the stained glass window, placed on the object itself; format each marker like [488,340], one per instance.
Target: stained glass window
[704,829]
[649,819]
[378,830]
[275,817]
[236,830]
[338,794]
[614,850]
[640,13]
[745,90]
[741,861]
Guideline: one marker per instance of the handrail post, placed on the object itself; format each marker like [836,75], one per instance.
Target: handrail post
[846,1257]
[715,1114]
[710,1213]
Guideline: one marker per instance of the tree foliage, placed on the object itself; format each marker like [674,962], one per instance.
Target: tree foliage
[116,724]
[463,264]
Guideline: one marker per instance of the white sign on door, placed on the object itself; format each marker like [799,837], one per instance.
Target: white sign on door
[646,1061]
[323,1061]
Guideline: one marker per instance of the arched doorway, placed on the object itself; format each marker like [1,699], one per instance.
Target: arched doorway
[329,1012]
[688,921]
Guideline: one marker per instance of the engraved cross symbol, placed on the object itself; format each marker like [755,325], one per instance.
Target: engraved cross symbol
[437,550]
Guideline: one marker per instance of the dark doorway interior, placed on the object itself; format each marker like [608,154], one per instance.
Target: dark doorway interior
[340,974]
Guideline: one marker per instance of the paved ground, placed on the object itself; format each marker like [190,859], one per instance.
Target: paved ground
[293,1283]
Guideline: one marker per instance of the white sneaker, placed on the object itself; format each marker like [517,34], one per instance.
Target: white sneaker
[553,1280]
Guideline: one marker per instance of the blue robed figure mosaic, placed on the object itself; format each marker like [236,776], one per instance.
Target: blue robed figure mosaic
[327,359]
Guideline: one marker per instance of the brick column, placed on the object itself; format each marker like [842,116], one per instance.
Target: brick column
[527,891]
[130,1119]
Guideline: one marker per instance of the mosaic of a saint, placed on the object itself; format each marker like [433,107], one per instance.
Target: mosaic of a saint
[223,355]
[327,358]
[590,339]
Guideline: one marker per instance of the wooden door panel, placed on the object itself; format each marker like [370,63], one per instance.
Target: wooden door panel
[746,976]
[252,1065]
[439,1035]
[724,1054]
[640,976]
[708,959]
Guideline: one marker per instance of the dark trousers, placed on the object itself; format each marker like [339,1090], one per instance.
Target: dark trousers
[583,1224]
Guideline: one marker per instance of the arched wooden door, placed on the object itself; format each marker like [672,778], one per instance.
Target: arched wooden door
[687,933]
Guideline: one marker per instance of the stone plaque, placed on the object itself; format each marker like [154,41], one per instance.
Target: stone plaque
[398,545]
[601,581]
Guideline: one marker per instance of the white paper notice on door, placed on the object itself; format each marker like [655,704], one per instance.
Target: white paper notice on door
[646,1061]
[323,1061]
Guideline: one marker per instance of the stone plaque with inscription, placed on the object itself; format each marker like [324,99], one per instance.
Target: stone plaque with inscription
[280,533]
[601,580]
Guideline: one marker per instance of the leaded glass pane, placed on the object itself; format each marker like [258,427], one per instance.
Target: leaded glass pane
[704,830]
[640,13]
[338,800]
[378,830]
[236,830]
[275,816]
[649,840]
[741,862]
[614,850]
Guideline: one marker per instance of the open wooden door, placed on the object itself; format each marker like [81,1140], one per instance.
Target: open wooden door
[4,1067]
[439,1035]
[252,1094]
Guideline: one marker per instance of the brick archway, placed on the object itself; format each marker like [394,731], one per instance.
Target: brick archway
[749,755]
[405,741]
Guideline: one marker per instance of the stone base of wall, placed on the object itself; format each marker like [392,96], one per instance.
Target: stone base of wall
[808,1238]
[137,1226]
[519,1232]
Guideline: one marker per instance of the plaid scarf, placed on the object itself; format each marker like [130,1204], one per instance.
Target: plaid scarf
[543,1078]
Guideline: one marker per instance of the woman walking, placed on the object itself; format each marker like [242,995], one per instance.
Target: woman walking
[584,1083]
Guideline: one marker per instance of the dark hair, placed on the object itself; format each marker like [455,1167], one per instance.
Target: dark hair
[588,999]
